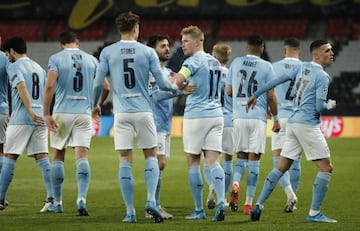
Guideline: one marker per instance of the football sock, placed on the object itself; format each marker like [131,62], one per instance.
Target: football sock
[83,175]
[57,175]
[6,176]
[295,174]
[151,177]
[126,182]
[320,188]
[228,171]
[239,169]
[45,168]
[218,180]
[196,186]
[207,174]
[158,187]
[252,179]
[269,184]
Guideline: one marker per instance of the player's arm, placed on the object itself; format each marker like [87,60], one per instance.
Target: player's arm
[321,96]
[25,98]
[49,90]
[96,111]
[272,101]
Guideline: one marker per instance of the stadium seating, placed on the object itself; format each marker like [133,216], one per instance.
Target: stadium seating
[269,28]
[337,28]
[29,30]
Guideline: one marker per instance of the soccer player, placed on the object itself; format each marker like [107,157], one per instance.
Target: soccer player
[285,67]
[203,120]
[222,53]
[246,74]
[303,130]
[128,63]
[27,129]
[70,76]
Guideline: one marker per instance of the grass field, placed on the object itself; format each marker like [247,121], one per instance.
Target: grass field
[26,195]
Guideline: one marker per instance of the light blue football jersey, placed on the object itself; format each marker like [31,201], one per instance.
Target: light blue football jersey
[4,104]
[128,64]
[162,108]
[27,71]
[246,75]
[206,76]
[76,71]
[286,66]
[311,87]
[226,101]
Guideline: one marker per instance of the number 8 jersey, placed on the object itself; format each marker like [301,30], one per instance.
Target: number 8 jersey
[34,76]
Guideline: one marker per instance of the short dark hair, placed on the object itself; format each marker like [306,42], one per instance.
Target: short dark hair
[255,40]
[18,44]
[125,22]
[317,43]
[292,42]
[154,39]
[67,37]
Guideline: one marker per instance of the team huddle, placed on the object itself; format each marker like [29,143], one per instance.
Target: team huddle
[226,112]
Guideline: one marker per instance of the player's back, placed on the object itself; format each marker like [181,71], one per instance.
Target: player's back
[247,74]
[225,99]
[27,71]
[4,104]
[311,85]
[206,74]
[290,67]
[129,64]
[76,70]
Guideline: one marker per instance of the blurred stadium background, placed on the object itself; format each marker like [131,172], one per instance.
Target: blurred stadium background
[228,21]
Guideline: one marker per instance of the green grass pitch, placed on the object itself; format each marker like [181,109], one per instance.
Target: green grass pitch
[26,195]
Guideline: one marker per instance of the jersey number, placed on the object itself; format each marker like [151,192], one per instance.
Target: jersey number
[252,85]
[129,73]
[217,74]
[78,81]
[35,86]
[288,95]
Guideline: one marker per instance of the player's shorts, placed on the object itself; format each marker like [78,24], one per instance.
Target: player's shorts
[228,141]
[125,126]
[163,144]
[250,135]
[278,138]
[30,137]
[4,120]
[203,134]
[305,137]
[74,130]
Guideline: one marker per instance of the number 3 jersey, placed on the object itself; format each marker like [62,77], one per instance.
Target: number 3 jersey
[76,71]
[246,75]
[34,76]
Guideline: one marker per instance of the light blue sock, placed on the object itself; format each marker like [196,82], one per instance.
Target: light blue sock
[45,168]
[285,179]
[207,174]
[6,176]
[151,177]
[320,188]
[158,187]
[126,182]
[218,180]
[57,175]
[228,171]
[253,177]
[295,174]
[83,175]
[239,169]
[196,186]
[269,185]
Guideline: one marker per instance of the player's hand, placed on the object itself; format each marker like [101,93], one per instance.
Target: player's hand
[189,89]
[251,103]
[276,126]
[37,119]
[333,103]
[96,113]
[50,122]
